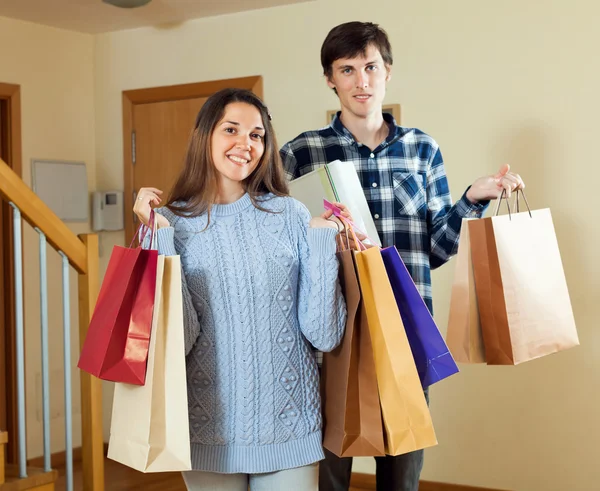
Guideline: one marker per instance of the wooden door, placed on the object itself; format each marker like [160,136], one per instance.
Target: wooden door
[162,131]
[157,123]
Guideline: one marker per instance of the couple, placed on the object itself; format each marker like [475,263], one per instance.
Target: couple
[260,287]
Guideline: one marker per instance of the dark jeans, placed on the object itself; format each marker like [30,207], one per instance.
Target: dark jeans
[399,473]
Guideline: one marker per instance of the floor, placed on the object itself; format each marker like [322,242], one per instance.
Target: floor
[121,478]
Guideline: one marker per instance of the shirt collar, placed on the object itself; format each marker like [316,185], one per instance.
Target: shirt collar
[341,130]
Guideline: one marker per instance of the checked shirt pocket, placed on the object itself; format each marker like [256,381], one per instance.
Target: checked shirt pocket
[410,193]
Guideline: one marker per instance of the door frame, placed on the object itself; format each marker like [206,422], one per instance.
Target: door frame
[10,98]
[166,94]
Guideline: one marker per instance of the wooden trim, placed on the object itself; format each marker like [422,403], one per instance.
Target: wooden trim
[37,213]
[91,387]
[169,93]
[11,149]
[191,91]
[364,482]
[12,93]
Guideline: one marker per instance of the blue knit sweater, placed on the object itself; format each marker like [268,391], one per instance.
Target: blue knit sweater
[259,289]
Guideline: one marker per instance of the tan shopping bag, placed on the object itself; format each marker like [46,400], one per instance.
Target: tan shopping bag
[352,415]
[149,429]
[524,303]
[464,336]
[406,417]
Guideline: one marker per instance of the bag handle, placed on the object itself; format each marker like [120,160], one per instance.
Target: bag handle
[143,230]
[503,196]
[522,192]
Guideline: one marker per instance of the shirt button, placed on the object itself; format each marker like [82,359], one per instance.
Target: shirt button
[376,216]
[287,369]
[374,184]
[286,287]
[372,156]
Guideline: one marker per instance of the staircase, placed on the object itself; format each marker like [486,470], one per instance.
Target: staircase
[36,479]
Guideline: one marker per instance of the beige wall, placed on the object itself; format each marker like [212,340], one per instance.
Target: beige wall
[492,82]
[55,70]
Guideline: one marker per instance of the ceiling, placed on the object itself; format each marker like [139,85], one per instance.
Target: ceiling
[94,16]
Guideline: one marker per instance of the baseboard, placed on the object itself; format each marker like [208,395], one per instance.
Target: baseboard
[366,482]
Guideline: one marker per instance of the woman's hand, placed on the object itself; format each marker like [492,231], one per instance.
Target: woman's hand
[142,206]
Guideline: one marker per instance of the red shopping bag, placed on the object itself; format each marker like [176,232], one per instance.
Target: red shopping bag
[118,337]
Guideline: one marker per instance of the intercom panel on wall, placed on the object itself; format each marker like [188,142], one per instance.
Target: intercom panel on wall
[107,209]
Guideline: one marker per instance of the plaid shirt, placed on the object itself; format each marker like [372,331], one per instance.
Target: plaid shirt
[405,184]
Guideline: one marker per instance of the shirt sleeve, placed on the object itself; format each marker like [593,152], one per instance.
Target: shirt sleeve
[290,164]
[443,218]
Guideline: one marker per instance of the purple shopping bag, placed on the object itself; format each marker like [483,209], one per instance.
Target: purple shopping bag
[432,357]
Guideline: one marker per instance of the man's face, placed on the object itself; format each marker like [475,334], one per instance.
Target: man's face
[360,82]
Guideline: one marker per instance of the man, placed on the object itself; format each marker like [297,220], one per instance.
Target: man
[404,180]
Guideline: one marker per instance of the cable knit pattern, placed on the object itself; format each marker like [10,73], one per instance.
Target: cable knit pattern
[260,287]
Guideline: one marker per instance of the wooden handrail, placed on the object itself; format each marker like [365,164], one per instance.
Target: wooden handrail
[37,214]
[82,253]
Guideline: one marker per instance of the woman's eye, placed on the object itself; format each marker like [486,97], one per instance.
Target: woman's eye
[230,130]
[257,136]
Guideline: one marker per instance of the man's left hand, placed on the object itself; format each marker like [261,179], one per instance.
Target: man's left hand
[490,187]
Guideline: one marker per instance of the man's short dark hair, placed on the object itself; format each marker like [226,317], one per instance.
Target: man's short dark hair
[352,39]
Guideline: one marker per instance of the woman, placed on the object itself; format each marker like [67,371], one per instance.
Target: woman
[260,290]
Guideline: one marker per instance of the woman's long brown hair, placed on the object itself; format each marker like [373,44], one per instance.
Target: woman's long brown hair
[197,186]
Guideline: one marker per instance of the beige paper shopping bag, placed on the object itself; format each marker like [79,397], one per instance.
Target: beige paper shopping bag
[149,430]
[524,303]
[464,337]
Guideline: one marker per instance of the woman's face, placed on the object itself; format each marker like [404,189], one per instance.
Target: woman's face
[238,142]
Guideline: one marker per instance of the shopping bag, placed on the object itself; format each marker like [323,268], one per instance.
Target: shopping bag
[352,424]
[406,416]
[524,303]
[149,428]
[432,357]
[464,337]
[116,344]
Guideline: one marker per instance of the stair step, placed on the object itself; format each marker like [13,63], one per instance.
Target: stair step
[36,479]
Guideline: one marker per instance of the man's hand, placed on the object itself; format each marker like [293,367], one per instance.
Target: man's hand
[490,187]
